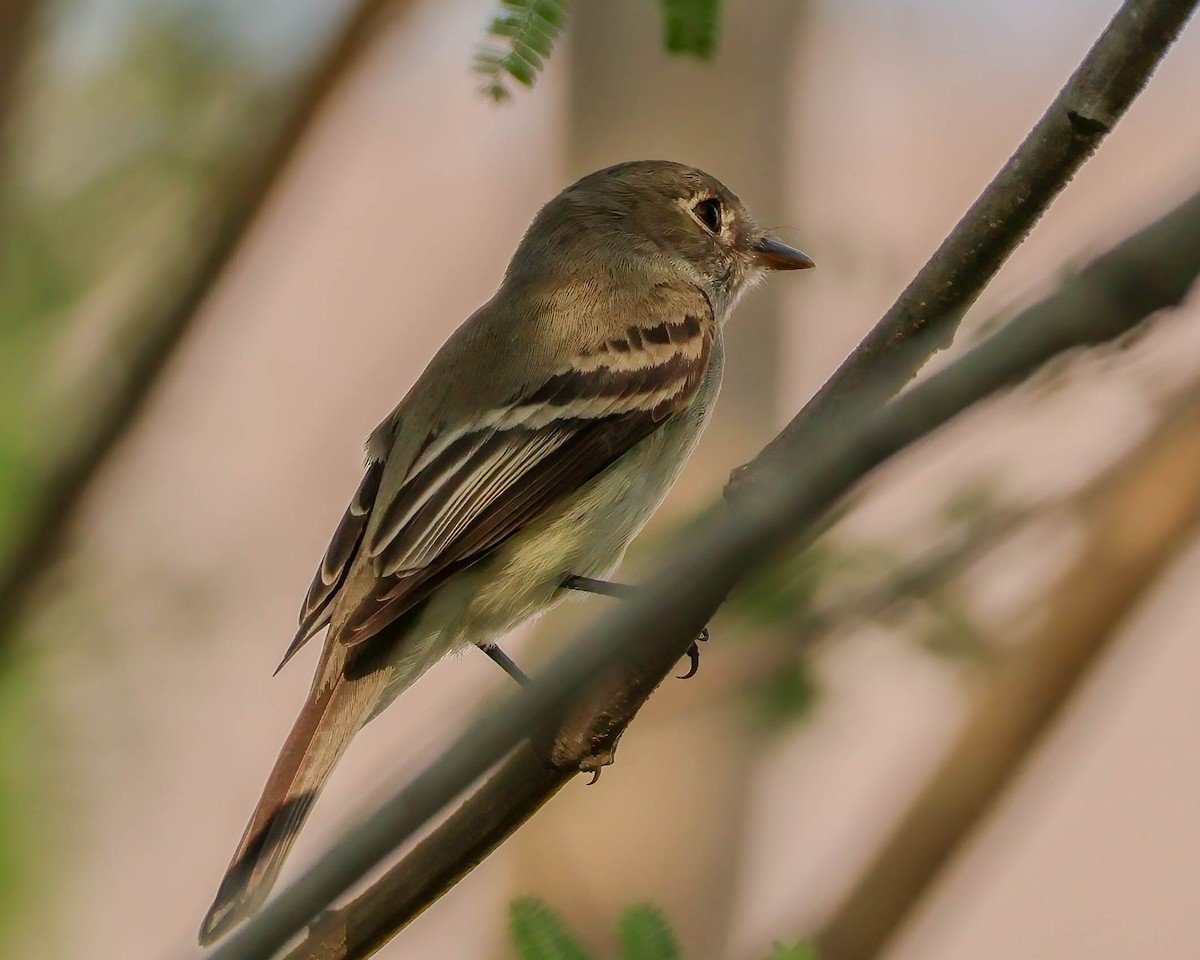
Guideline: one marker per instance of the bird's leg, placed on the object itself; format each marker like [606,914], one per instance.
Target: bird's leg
[507,664]
[625,591]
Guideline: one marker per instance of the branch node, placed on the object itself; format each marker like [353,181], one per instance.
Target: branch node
[584,737]
[329,929]
[1089,127]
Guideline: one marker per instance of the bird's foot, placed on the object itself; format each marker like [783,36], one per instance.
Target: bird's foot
[693,655]
[624,591]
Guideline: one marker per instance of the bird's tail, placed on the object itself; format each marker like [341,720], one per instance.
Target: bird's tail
[320,735]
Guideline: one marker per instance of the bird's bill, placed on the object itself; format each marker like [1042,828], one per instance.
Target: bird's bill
[772,254]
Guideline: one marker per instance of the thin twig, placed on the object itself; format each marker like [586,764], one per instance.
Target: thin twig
[928,313]
[67,482]
[599,682]
[919,577]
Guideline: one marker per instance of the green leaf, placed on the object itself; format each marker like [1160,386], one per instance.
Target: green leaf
[795,951]
[645,935]
[783,696]
[953,634]
[519,40]
[783,593]
[538,933]
[690,26]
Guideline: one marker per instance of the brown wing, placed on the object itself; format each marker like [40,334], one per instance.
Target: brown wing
[318,602]
[475,486]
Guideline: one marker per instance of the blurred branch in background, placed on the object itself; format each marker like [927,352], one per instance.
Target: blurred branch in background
[926,317]
[69,476]
[16,23]
[1136,518]
[600,682]
[783,597]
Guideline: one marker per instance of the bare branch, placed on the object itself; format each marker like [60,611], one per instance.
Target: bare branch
[929,311]
[489,816]
[68,480]
[1138,516]
[600,681]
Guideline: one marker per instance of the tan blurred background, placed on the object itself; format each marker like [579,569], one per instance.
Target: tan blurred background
[141,717]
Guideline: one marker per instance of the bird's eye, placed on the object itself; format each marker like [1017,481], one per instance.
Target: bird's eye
[708,212]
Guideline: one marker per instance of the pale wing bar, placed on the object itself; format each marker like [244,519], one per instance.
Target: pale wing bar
[318,602]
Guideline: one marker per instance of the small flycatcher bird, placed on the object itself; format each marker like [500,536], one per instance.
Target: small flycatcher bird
[528,455]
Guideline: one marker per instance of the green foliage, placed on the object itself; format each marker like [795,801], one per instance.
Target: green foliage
[645,935]
[972,506]
[521,38]
[784,695]
[117,161]
[690,26]
[784,593]
[119,152]
[952,633]
[539,933]
[796,951]
[519,41]
[22,830]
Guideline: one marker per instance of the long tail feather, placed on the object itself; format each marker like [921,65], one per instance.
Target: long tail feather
[317,741]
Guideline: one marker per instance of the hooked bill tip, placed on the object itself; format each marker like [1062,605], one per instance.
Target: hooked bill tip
[776,255]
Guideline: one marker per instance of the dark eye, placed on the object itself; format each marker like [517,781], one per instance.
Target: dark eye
[709,213]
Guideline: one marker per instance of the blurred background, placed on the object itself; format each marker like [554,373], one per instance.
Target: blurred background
[1044,539]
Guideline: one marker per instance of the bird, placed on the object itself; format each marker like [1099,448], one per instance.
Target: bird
[520,465]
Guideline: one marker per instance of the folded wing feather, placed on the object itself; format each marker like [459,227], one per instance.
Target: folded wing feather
[474,486]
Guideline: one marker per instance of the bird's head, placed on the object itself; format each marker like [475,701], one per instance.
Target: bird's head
[663,217]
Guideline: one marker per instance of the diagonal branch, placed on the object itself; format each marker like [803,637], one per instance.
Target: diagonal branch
[599,682]
[486,819]
[25,561]
[929,311]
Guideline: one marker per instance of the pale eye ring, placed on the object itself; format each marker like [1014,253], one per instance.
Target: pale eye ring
[708,211]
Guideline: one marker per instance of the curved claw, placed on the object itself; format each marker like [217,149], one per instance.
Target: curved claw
[693,653]
[595,776]
[694,656]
